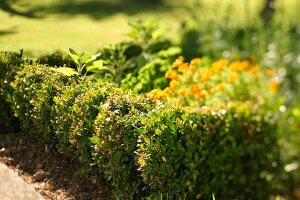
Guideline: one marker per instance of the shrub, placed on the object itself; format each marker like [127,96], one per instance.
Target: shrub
[192,154]
[147,149]
[10,63]
[32,99]
[58,59]
[140,63]
[63,103]
[115,141]
[151,75]
[84,111]
[290,139]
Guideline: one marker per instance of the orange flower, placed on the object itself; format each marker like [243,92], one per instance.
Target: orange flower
[192,68]
[232,78]
[271,72]
[202,95]
[157,94]
[174,84]
[197,92]
[211,90]
[196,61]
[220,86]
[178,62]
[273,86]
[254,69]
[171,74]
[219,65]
[182,92]
[205,75]
[167,91]
[234,66]
[183,67]
[244,65]
[195,89]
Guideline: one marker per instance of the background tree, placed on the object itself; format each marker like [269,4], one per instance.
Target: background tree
[268,11]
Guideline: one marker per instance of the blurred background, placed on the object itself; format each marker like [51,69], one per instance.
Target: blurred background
[47,25]
[266,29]
[266,32]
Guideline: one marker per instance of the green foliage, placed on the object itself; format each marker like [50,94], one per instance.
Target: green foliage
[83,113]
[147,35]
[290,139]
[82,61]
[274,46]
[32,99]
[115,142]
[140,63]
[143,149]
[118,60]
[10,63]
[57,58]
[63,103]
[192,154]
[151,75]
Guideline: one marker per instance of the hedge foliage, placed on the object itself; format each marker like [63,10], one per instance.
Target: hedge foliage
[115,141]
[9,64]
[192,154]
[145,148]
[32,98]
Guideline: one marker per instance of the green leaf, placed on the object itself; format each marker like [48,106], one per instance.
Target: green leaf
[97,65]
[74,57]
[171,125]
[96,56]
[86,58]
[72,51]
[67,71]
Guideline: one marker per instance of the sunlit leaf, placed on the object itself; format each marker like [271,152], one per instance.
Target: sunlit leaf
[67,71]
[72,51]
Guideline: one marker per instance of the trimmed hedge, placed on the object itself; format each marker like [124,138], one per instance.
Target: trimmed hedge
[148,150]
[115,141]
[32,98]
[57,58]
[9,63]
[81,115]
[192,154]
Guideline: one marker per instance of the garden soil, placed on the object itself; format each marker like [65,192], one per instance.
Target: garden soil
[49,173]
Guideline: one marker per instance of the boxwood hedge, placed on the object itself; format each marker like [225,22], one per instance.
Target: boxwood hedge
[10,62]
[32,98]
[192,154]
[115,141]
[145,149]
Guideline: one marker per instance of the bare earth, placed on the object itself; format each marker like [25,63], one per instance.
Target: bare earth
[45,174]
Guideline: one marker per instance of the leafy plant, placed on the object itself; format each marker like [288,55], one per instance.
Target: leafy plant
[128,63]
[190,153]
[57,58]
[82,62]
[115,142]
[148,149]
[10,63]
[34,88]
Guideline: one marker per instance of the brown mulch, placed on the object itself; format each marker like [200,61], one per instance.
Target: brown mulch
[50,173]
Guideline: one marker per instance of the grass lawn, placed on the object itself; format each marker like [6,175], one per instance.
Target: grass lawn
[48,25]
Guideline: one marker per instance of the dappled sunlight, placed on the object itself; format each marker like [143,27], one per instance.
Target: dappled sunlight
[157,99]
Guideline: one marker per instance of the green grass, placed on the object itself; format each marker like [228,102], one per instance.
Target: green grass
[84,24]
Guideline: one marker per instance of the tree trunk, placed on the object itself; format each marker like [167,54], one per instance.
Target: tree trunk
[268,11]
